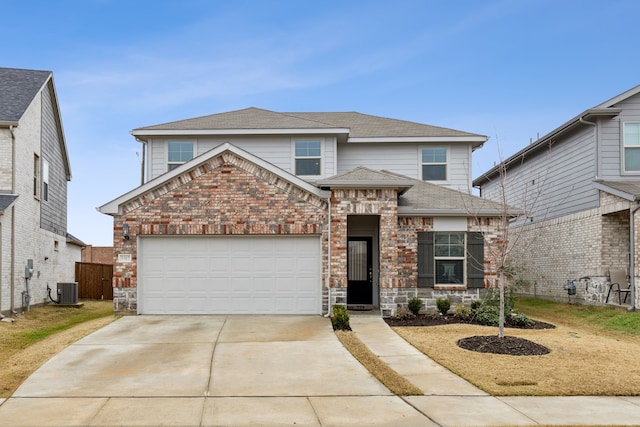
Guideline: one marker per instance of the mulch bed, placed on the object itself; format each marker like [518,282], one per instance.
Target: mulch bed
[513,346]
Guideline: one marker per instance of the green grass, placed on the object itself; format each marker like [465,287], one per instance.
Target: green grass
[63,319]
[596,318]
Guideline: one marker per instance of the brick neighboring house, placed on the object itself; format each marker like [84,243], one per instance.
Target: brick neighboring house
[97,254]
[582,185]
[34,170]
[256,211]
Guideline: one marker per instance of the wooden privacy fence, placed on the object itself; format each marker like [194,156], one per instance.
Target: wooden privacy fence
[94,281]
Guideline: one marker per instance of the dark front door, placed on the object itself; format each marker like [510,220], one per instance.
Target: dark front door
[359,271]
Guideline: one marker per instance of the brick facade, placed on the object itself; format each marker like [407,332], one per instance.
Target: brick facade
[584,244]
[229,195]
[97,254]
[226,195]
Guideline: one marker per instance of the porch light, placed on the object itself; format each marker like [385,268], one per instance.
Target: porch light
[125,231]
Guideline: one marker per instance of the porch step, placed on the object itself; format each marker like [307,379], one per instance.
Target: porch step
[359,307]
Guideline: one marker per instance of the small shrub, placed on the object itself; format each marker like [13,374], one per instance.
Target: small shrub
[443,305]
[475,305]
[492,297]
[415,305]
[520,319]
[403,313]
[340,318]
[463,311]
[488,315]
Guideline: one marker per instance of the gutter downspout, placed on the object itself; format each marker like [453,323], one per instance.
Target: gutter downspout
[329,261]
[12,270]
[632,257]
[595,138]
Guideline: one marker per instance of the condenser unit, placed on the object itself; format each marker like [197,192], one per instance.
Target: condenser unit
[68,293]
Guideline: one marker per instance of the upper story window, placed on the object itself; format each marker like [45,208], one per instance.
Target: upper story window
[434,164]
[308,157]
[631,147]
[45,180]
[179,153]
[36,176]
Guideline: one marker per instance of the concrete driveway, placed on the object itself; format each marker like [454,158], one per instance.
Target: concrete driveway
[207,371]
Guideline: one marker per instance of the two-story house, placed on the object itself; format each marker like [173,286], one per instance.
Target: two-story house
[34,171]
[256,211]
[580,187]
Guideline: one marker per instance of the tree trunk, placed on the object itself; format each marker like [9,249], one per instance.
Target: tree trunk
[501,319]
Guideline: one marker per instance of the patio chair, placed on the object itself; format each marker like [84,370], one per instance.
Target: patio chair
[618,280]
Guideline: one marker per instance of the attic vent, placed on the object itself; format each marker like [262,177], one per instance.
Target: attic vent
[68,293]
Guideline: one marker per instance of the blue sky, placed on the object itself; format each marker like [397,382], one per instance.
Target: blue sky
[508,69]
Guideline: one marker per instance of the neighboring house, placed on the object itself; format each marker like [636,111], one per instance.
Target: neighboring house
[256,211]
[34,170]
[97,254]
[580,186]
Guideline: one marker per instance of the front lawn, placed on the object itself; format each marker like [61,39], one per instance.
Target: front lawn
[594,351]
[40,333]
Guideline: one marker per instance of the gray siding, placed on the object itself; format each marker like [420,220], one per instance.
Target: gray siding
[555,182]
[53,213]
[611,140]
[277,150]
[404,158]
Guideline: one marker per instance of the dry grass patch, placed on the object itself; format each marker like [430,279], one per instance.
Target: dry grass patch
[387,376]
[581,362]
[40,334]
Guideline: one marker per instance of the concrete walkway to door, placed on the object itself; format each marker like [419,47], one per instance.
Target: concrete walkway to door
[207,371]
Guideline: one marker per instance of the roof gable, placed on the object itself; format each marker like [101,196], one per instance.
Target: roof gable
[17,90]
[362,177]
[114,207]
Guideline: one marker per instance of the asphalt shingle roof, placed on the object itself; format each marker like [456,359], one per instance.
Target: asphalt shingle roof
[419,196]
[6,200]
[17,90]
[359,125]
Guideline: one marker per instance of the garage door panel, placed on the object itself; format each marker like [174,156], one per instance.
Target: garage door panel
[229,275]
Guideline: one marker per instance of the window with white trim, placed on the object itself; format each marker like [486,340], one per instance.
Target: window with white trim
[449,255]
[178,153]
[308,157]
[631,141]
[36,176]
[45,180]
[450,258]
[434,164]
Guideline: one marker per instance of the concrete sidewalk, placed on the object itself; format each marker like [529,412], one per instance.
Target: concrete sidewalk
[267,370]
[452,401]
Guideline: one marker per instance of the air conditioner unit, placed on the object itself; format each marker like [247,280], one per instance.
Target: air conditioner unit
[68,293]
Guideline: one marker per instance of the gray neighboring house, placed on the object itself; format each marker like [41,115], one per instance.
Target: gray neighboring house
[34,171]
[256,211]
[580,187]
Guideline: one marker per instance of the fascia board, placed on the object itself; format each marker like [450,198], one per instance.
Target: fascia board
[113,207]
[174,132]
[409,211]
[6,124]
[615,192]
[366,184]
[543,142]
[360,140]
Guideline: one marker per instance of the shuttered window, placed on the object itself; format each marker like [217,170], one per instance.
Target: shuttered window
[442,259]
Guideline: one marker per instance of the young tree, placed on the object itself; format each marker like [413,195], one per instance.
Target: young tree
[510,227]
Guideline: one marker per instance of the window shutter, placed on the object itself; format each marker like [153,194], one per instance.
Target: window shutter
[426,274]
[475,260]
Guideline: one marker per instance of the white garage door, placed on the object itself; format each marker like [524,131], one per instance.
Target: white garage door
[229,275]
